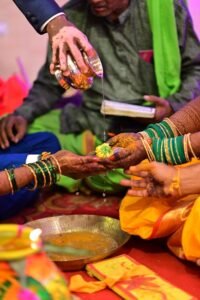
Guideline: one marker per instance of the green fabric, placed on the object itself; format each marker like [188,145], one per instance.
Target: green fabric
[75,143]
[166,48]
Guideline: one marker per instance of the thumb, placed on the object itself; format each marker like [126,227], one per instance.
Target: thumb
[153,99]
[21,130]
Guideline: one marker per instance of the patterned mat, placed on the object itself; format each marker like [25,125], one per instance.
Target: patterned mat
[58,202]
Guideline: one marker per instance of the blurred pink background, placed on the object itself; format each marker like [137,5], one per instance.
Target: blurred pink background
[19,41]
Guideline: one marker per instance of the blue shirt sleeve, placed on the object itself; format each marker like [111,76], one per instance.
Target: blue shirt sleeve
[12,160]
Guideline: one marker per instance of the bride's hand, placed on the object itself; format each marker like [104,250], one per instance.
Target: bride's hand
[77,166]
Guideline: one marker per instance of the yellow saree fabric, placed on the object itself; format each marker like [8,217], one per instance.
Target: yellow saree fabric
[175,218]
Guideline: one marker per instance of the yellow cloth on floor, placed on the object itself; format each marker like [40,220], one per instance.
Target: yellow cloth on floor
[175,218]
[78,284]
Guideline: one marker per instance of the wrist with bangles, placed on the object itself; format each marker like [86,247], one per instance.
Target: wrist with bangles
[167,145]
[45,172]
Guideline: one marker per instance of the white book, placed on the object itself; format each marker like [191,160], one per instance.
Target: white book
[126,110]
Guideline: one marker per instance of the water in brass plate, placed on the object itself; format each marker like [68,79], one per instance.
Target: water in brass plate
[101,236]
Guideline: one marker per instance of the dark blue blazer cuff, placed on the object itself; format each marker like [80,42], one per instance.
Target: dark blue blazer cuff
[38,12]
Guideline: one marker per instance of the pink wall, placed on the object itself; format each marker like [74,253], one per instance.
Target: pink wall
[194,6]
[32,51]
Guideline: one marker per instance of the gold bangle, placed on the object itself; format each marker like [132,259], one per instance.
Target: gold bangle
[185,147]
[148,150]
[172,152]
[57,163]
[142,140]
[34,178]
[173,127]
[10,182]
[167,151]
[175,184]
[154,132]
[49,173]
[44,155]
[190,146]
[163,130]
[144,135]
[43,174]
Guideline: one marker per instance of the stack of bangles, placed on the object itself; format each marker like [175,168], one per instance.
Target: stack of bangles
[167,143]
[45,172]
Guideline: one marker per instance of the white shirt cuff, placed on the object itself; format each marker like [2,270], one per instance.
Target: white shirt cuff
[53,17]
[31,158]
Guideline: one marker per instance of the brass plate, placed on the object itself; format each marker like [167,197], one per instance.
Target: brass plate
[90,224]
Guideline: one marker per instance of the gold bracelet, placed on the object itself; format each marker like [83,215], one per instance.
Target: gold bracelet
[49,173]
[44,155]
[43,174]
[10,182]
[34,178]
[144,135]
[190,146]
[161,150]
[172,152]
[167,151]
[173,127]
[58,165]
[185,147]
[163,130]
[175,184]
[148,150]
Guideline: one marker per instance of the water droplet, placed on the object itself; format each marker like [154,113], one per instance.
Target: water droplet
[77,193]
[103,194]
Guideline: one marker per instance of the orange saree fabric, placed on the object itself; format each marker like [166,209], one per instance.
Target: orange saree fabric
[178,219]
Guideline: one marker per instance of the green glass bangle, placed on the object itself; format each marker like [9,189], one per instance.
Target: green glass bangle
[179,149]
[170,132]
[157,148]
[157,129]
[52,170]
[12,179]
[46,171]
[38,174]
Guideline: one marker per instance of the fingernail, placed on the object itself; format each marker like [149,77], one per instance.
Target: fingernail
[146,97]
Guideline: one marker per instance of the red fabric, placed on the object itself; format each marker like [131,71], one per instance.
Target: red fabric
[12,93]
[152,254]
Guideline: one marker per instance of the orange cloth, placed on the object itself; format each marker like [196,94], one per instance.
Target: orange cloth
[175,218]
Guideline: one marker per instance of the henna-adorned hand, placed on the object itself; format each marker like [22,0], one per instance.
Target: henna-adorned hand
[77,166]
[124,140]
[156,179]
[128,150]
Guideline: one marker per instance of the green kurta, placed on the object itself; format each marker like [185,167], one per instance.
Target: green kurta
[128,77]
